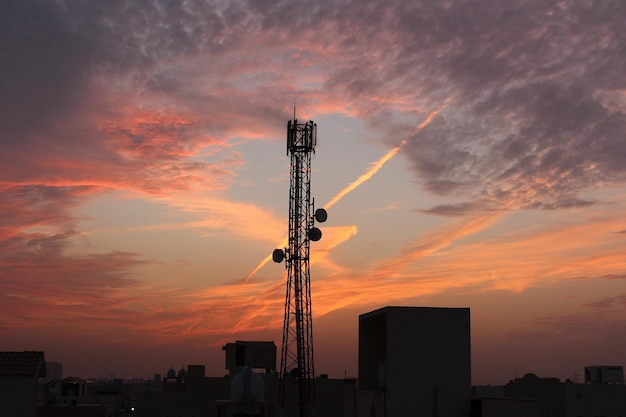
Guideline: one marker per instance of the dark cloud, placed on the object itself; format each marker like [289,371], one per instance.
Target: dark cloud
[614,303]
[614,276]
[532,126]
[43,63]
[459,209]
[538,116]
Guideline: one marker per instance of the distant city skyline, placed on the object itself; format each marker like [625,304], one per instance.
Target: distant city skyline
[470,154]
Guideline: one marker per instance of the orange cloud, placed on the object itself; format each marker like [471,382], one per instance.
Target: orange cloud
[451,259]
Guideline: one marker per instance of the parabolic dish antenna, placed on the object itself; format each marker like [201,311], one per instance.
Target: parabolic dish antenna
[278,255]
[321,215]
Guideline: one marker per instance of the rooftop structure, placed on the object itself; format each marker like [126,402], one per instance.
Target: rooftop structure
[255,354]
[415,361]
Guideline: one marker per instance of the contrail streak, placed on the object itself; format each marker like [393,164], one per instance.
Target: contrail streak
[369,174]
[263,262]
[382,161]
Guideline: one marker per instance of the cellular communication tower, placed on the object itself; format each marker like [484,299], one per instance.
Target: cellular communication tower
[297,371]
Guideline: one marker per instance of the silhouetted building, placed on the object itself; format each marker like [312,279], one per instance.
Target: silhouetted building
[19,372]
[490,401]
[257,355]
[415,361]
[193,396]
[568,399]
[604,374]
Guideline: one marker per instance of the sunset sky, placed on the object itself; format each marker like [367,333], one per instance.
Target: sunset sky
[470,154]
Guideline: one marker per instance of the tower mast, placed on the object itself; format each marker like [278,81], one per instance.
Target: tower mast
[297,371]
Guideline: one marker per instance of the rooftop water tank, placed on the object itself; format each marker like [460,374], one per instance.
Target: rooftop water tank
[247,387]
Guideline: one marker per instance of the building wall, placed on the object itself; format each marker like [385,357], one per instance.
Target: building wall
[335,398]
[608,400]
[604,374]
[372,351]
[258,355]
[570,400]
[92,410]
[548,390]
[18,396]
[510,407]
[419,357]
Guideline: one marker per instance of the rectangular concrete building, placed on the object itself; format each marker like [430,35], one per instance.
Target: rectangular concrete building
[417,360]
[257,355]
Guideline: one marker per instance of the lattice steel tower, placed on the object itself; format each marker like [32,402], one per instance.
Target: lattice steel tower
[297,371]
